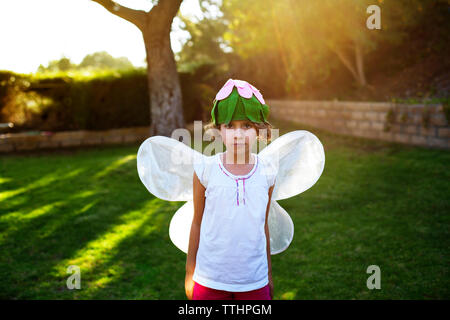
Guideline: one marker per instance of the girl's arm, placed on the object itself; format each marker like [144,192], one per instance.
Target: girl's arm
[194,237]
[266,228]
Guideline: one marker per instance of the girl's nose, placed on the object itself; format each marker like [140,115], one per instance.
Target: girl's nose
[239,132]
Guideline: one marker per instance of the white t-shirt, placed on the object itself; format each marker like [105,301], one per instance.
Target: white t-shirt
[232,254]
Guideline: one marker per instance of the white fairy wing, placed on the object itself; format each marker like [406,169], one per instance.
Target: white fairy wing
[281,228]
[297,158]
[180,226]
[166,167]
[294,161]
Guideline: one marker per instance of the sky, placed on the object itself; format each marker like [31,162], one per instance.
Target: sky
[33,32]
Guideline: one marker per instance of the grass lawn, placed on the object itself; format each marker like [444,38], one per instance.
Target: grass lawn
[376,203]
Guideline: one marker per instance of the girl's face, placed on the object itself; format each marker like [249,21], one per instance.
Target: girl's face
[238,136]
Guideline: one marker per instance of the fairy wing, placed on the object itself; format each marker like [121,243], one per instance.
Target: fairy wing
[295,161]
[281,228]
[180,226]
[298,159]
[166,167]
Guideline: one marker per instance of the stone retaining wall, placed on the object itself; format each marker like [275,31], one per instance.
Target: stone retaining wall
[24,141]
[422,125]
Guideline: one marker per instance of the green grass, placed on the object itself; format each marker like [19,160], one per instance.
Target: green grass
[376,203]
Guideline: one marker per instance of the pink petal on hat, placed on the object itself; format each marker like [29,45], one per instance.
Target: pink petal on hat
[244,89]
[225,90]
[257,94]
[245,92]
[240,83]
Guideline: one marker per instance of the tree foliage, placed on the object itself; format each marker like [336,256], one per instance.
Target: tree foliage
[97,61]
[308,38]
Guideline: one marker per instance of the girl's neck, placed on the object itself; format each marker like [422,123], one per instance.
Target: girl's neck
[238,158]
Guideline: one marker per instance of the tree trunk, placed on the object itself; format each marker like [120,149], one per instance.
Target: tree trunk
[163,84]
[166,105]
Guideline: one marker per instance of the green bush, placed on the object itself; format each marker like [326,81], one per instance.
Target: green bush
[100,100]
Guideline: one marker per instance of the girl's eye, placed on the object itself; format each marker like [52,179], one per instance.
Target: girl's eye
[228,126]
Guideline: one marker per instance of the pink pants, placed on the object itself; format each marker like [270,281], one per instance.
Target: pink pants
[204,293]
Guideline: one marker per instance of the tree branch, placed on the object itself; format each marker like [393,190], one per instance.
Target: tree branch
[359,57]
[344,59]
[136,17]
[169,7]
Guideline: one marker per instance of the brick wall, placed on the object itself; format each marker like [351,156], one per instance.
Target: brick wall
[422,125]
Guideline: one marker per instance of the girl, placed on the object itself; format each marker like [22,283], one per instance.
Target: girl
[229,249]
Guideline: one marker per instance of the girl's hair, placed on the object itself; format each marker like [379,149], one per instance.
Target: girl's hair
[258,126]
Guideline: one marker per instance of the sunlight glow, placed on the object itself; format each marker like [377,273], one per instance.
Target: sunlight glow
[35,32]
[115,165]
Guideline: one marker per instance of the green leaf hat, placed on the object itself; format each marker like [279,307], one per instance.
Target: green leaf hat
[239,100]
